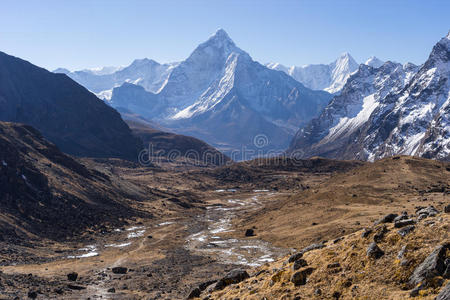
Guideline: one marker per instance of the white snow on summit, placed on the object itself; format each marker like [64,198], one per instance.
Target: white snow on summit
[374,62]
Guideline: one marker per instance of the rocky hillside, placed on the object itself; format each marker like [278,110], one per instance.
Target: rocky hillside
[66,113]
[46,193]
[384,111]
[402,255]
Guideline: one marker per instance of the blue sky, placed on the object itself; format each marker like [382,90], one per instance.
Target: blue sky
[92,33]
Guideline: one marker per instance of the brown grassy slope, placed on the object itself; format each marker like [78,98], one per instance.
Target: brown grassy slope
[347,201]
[357,276]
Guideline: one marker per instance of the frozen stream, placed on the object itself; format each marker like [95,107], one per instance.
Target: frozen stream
[242,251]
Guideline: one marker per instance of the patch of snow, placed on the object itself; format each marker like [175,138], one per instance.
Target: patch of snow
[136,234]
[119,245]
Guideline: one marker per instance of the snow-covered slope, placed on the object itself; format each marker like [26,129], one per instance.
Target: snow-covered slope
[330,78]
[374,62]
[383,111]
[221,95]
[144,72]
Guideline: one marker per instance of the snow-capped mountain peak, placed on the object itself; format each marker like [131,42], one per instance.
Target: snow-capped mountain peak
[374,62]
[330,78]
[341,69]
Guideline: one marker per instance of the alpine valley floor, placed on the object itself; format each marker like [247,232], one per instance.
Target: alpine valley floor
[193,225]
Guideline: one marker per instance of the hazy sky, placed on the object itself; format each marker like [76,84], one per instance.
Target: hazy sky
[79,34]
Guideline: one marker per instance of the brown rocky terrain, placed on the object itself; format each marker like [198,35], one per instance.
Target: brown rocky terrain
[112,229]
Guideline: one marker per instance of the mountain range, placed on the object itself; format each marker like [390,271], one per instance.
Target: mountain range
[393,109]
[342,109]
[218,94]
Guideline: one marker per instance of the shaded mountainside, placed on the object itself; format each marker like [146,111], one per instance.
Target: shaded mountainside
[65,112]
[46,193]
[176,146]
[385,111]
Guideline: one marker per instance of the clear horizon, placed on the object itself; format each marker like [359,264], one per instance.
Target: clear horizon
[90,34]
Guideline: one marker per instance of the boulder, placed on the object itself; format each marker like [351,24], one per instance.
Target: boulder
[294,257]
[234,276]
[386,219]
[299,263]
[432,266]
[381,232]
[119,270]
[445,293]
[403,223]
[405,230]
[299,278]
[195,293]
[32,295]
[249,232]
[373,251]
[312,247]
[366,232]
[403,216]
[72,276]
[447,209]
[429,211]
[111,290]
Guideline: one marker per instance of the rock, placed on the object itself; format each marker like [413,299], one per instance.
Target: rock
[194,293]
[72,276]
[401,253]
[295,256]
[335,241]
[386,219]
[402,223]
[312,247]
[76,287]
[299,278]
[333,265]
[415,291]
[234,276]
[432,266]
[445,293]
[429,211]
[405,230]
[204,285]
[336,295]
[381,232]
[403,216]
[249,232]
[299,263]
[366,232]
[317,292]
[32,295]
[373,251]
[111,290]
[447,209]
[119,270]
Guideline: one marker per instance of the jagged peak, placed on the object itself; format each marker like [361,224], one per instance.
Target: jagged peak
[374,62]
[143,61]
